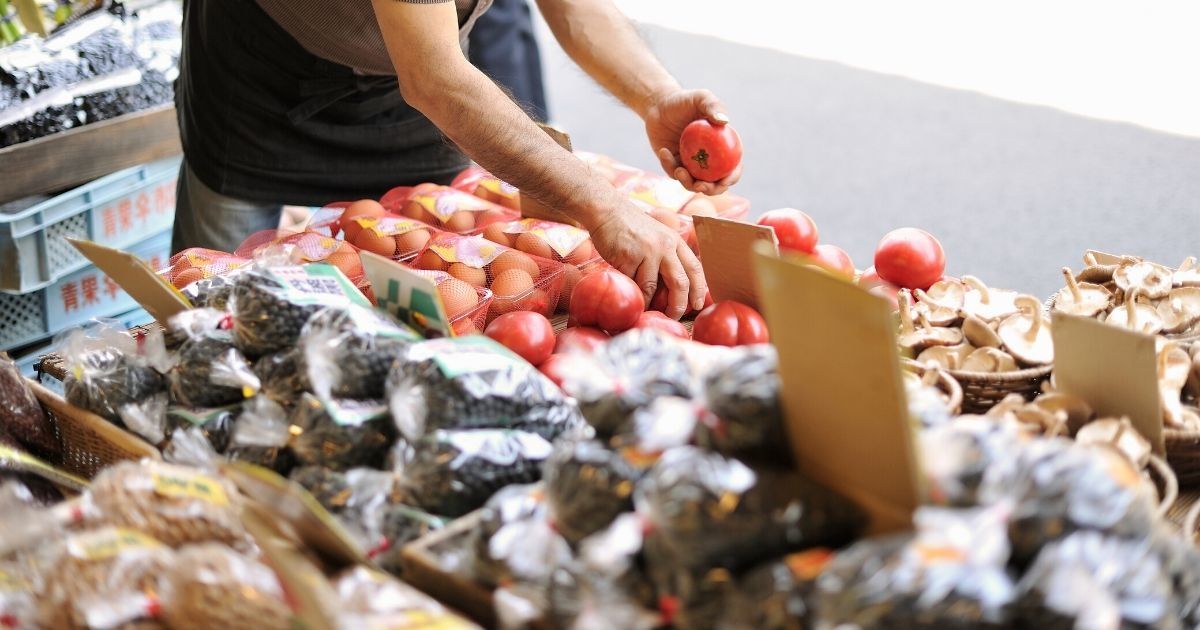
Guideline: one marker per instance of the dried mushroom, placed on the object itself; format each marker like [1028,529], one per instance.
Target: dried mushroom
[1136,315]
[988,303]
[1101,272]
[1026,335]
[1152,279]
[1077,410]
[1120,435]
[1180,310]
[1030,416]
[979,333]
[938,313]
[946,357]
[926,335]
[1174,367]
[1081,298]
[1188,274]
[989,360]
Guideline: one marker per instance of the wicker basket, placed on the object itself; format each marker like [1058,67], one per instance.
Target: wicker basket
[89,442]
[983,390]
[946,383]
[1183,453]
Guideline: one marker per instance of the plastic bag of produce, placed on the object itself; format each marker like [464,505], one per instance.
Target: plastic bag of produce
[24,419]
[611,584]
[108,375]
[215,292]
[17,605]
[628,373]
[304,247]
[741,393]
[587,486]
[951,574]
[777,595]
[207,370]
[174,504]
[349,351]
[213,586]
[271,304]
[102,578]
[1090,580]
[709,511]
[477,181]
[512,504]
[359,498]
[283,376]
[340,434]
[370,599]
[453,472]
[196,264]
[959,454]
[474,382]
[261,435]
[663,425]
[445,208]
[215,425]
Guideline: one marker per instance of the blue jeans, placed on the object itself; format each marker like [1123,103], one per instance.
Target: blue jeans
[206,218]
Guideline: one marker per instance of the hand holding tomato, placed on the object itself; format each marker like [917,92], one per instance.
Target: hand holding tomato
[653,255]
[910,258]
[528,334]
[608,300]
[730,323]
[667,116]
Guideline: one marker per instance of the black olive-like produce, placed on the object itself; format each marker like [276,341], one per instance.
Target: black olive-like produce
[261,435]
[341,434]
[215,425]
[282,376]
[209,371]
[214,292]
[961,453]
[510,505]
[105,380]
[329,487]
[472,383]
[403,524]
[742,395]
[587,486]
[349,351]
[266,317]
[453,472]
[777,595]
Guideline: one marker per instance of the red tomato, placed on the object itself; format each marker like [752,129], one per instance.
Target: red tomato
[795,230]
[608,300]
[659,301]
[834,258]
[910,258]
[655,319]
[555,368]
[730,323]
[710,152]
[580,339]
[525,333]
[888,292]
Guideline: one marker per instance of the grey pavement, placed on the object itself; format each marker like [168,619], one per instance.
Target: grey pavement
[1014,192]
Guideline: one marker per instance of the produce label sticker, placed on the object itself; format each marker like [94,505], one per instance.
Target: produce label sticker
[1113,369]
[444,202]
[13,459]
[200,417]
[390,226]
[108,543]
[408,295]
[317,283]
[469,355]
[845,407]
[354,413]
[472,251]
[179,483]
[561,238]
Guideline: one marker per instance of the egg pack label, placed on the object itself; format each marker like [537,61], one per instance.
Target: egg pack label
[472,251]
[444,202]
[390,226]
[563,239]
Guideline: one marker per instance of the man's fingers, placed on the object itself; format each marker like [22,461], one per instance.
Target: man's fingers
[668,160]
[647,276]
[676,281]
[710,106]
[695,274]
[732,178]
[684,177]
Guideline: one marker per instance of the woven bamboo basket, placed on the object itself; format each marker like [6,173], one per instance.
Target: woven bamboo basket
[983,390]
[89,442]
[945,382]
[1183,454]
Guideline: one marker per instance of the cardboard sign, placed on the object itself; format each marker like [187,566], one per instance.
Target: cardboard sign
[727,255]
[1112,369]
[140,281]
[843,394]
[407,295]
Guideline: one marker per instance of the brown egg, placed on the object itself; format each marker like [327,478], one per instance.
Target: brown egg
[363,208]
[515,260]
[512,283]
[699,207]
[411,242]
[186,276]
[414,210]
[461,222]
[468,274]
[346,258]
[370,241]
[430,261]
[351,229]
[533,245]
[458,297]
[585,252]
[464,327]
[495,233]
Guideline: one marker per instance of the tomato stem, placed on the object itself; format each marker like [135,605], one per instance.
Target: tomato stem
[701,157]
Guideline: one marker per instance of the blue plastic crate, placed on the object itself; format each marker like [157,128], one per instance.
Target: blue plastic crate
[28,317]
[28,361]
[118,210]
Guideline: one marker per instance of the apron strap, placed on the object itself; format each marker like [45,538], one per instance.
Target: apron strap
[326,92]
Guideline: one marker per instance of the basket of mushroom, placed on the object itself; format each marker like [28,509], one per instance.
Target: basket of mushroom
[1179,391]
[994,342]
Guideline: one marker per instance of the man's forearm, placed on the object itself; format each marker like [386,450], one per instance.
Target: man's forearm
[605,44]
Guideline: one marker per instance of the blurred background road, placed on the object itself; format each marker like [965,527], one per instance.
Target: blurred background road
[1020,132]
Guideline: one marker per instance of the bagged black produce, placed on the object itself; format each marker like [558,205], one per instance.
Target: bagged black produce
[952,573]
[587,486]
[108,375]
[777,595]
[471,383]
[403,524]
[960,453]
[628,373]
[261,435]
[708,511]
[328,486]
[1090,580]
[24,420]
[271,304]
[214,292]
[510,505]
[340,434]
[283,376]
[215,424]
[608,585]
[206,369]
[742,397]
[451,473]
[349,351]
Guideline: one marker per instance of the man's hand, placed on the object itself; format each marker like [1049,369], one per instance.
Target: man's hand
[650,252]
[665,119]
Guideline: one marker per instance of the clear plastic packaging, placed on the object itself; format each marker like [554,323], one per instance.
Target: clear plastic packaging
[261,435]
[513,504]
[213,586]
[563,243]
[370,599]
[519,282]
[612,586]
[466,305]
[197,263]
[742,397]
[283,376]
[401,525]
[957,456]
[348,351]
[214,424]
[777,595]
[173,504]
[453,472]
[271,305]
[398,238]
[445,208]
[207,369]
[626,374]
[587,486]
[24,419]
[340,434]
[474,382]
[305,247]
[214,292]
[107,375]
[477,181]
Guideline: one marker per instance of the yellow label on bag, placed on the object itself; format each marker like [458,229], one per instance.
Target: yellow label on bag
[108,543]
[183,485]
[11,582]
[418,620]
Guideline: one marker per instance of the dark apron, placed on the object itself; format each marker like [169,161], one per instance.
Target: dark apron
[264,120]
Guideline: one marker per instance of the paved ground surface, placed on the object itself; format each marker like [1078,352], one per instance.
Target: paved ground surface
[1013,191]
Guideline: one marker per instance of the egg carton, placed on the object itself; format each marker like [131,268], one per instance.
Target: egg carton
[559,242]
[445,208]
